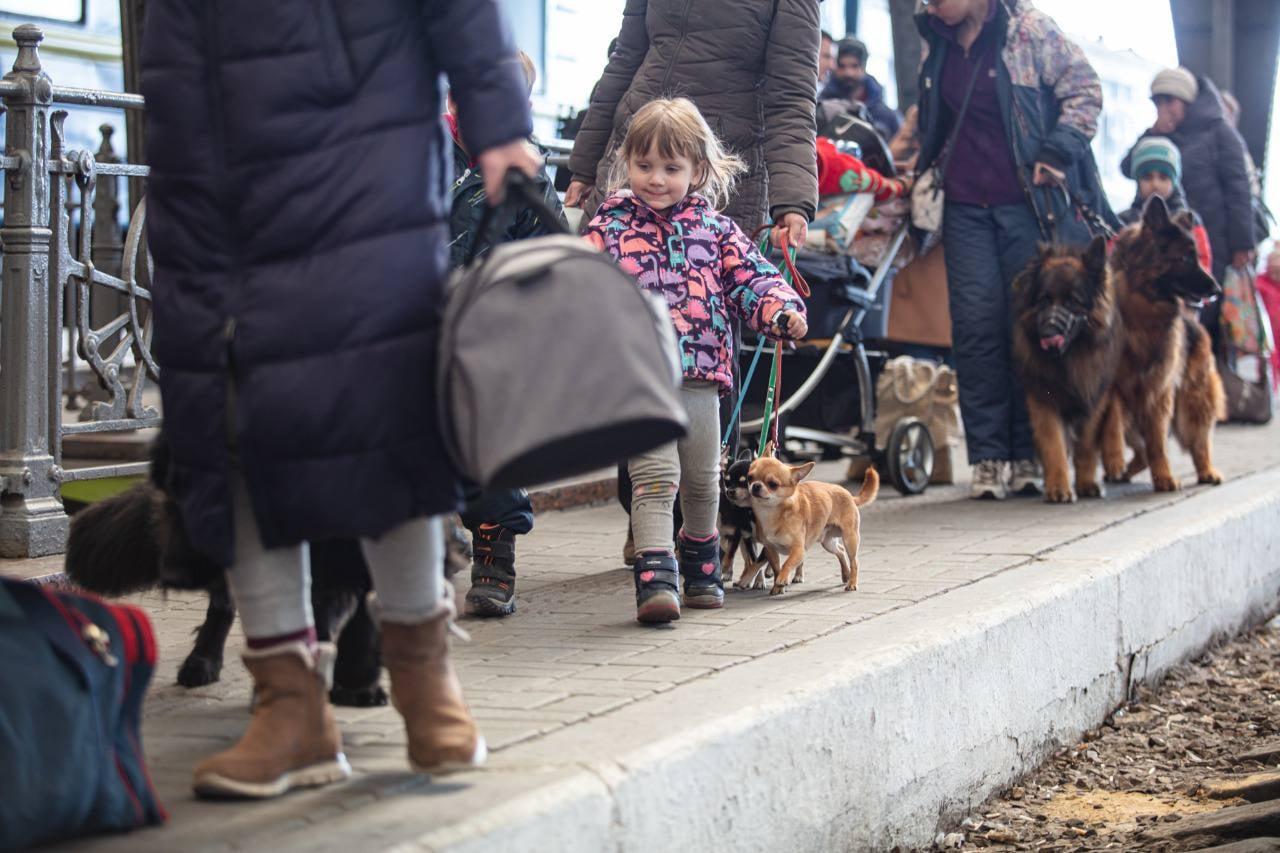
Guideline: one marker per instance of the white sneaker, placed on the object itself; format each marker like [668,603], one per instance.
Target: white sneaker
[1026,477]
[988,481]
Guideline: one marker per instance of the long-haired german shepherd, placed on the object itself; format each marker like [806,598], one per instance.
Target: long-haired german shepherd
[1067,337]
[1167,375]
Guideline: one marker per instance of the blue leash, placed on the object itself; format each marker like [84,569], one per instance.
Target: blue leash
[746,384]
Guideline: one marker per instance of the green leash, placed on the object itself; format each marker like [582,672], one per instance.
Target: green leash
[769,424]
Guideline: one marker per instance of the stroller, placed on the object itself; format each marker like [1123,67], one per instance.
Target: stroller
[834,406]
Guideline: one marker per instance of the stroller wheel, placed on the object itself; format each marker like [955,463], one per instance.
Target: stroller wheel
[909,456]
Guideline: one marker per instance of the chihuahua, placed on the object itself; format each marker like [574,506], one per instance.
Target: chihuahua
[791,516]
[737,522]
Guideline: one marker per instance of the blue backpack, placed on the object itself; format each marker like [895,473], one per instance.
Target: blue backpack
[75,670]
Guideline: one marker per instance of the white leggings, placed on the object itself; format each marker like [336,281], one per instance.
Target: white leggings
[691,464]
[272,587]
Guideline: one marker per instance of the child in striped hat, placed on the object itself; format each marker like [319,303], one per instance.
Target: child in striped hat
[1157,168]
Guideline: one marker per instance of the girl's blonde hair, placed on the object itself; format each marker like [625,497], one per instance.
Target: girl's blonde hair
[676,129]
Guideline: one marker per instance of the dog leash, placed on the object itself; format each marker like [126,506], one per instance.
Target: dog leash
[746,383]
[1092,219]
[773,396]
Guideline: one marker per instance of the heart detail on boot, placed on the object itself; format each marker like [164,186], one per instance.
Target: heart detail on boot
[646,576]
[708,568]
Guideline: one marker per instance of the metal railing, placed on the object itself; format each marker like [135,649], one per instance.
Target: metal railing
[56,263]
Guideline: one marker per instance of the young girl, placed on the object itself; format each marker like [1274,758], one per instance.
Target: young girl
[664,230]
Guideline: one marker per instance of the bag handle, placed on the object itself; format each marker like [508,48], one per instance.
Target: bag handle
[523,190]
[901,378]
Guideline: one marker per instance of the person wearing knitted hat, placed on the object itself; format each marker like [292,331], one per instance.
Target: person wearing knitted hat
[1157,168]
[1214,171]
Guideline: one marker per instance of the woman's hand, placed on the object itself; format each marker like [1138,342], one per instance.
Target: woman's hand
[1045,175]
[794,226]
[497,161]
[576,194]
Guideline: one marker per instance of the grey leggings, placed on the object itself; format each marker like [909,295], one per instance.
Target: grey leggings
[272,587]
[691,464]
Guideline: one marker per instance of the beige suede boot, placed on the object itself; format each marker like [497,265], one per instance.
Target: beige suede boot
[426,692]
[292,740]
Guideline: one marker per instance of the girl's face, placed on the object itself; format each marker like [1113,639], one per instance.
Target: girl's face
[660,182]
[1155,182]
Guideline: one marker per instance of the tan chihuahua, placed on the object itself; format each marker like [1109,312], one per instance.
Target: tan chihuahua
[791,516]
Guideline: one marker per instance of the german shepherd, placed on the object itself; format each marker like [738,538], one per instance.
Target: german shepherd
[1167,376]
[1068,337]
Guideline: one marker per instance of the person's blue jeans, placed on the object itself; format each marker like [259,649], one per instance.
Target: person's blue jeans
[509,507]
[986,248]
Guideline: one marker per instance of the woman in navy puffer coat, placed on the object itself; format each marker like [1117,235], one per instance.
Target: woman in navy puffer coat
[298,206]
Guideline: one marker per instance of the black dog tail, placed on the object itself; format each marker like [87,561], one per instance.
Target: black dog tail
[114,547]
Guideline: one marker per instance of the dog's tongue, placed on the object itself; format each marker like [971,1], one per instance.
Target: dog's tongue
[1053,342]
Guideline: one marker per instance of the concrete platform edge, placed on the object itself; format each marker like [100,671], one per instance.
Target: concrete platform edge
[880,732]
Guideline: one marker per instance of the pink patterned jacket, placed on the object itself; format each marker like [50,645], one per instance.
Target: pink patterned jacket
[705,267]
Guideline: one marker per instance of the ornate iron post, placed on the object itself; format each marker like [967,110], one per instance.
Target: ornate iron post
[132,14]
[108,246]
[32,519]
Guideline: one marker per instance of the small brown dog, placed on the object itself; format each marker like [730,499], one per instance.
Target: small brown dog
[791,516]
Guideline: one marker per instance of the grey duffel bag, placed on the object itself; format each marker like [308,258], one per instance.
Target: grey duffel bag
[553,362]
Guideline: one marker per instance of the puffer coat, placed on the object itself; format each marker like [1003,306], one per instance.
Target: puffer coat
[1215,175]
[708,271]
[298,216]
[750,66]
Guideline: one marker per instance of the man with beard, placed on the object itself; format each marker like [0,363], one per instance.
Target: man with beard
[851,82]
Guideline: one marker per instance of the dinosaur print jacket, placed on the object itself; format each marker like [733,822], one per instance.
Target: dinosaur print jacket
[705,267]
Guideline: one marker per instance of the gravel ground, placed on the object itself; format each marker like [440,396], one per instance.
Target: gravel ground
[1147,763]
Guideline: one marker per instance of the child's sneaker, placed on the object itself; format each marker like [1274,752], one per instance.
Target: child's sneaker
[700,568]
[493,572]
[657,587]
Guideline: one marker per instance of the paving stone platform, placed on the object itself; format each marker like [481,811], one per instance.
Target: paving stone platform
[571,678]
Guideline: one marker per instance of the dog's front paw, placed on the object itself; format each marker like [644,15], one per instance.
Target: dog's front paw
[777,589]
[1165,484]
[1089,490]
[199,671]
[851,586]
[1117,475]
[1059,495]
[1212,477]
[369,696]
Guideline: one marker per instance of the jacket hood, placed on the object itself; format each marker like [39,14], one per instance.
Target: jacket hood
[1206,109]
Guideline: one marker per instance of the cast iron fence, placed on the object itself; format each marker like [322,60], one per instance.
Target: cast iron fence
[56,263]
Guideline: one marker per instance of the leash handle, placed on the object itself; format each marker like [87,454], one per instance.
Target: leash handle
[773,397]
